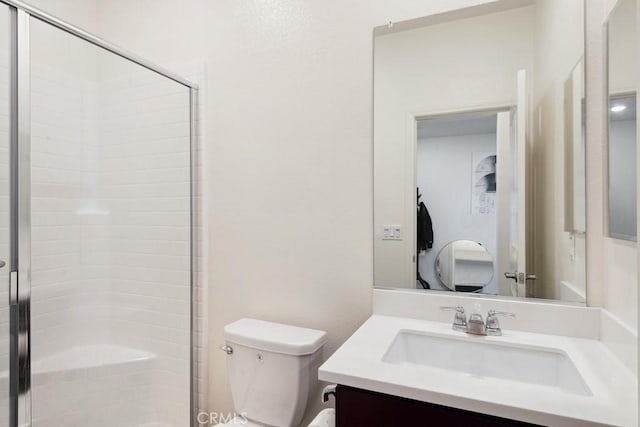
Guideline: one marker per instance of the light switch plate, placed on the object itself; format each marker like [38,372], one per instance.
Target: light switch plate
[391,232]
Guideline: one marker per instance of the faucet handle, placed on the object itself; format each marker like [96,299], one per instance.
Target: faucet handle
[459,319]
[501,313]
[452,308]
[493,325]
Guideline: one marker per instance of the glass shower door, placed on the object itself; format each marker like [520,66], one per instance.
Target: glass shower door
[95,231]
[110,238]
[5,234]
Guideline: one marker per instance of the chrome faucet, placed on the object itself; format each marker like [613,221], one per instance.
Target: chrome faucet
[476,325]
[493,325]
[459,319]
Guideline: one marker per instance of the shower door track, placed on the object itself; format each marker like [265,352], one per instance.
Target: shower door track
[20,200]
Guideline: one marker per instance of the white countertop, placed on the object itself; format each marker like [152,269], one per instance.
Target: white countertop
[358,363]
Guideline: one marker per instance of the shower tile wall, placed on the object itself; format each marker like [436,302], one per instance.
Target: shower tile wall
[144,138]
[63,280]
[72,338]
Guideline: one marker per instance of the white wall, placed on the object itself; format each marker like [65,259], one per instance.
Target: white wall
[445,67]
[623,60]
[444,178]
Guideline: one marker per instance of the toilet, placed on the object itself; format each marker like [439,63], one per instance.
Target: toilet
[272,369]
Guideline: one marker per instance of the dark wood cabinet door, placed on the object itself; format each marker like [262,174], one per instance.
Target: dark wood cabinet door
[362,408]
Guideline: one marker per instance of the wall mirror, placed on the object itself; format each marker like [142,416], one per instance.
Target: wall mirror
[479,180]
[622,124]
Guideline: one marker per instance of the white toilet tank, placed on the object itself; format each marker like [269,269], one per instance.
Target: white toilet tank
[272,369]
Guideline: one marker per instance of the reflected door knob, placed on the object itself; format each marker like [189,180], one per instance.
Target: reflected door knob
[519,276]
[227,349]
[2,263]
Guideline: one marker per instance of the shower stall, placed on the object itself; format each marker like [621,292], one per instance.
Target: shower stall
[98,219]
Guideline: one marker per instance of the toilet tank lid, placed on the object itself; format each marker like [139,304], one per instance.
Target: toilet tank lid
[275,337]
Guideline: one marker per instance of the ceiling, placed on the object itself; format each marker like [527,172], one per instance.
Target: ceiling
[456,125]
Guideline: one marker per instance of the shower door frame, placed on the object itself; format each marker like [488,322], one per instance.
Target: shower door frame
[20,200]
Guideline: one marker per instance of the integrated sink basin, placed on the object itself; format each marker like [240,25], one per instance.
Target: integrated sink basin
[482,358]
[543,379]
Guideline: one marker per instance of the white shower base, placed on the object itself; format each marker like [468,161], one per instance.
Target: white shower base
[98,385]
[95,358]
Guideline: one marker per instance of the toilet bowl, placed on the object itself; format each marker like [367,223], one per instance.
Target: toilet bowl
[272,369]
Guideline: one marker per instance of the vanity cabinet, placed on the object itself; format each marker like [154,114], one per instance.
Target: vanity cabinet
[356,407]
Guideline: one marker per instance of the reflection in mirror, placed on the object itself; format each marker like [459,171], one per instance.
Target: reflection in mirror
[481,111]
[622,64]
[460,150]
[464,266]
[575,220]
